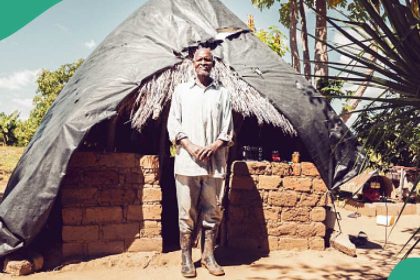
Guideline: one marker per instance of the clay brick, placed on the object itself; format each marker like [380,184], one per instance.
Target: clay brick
[319,229]
[100,215]
[150,232]
[308,200]
[318,214]
[310,229]
[293,244]
[121,231]
[319,185]
[285,198]
[72,249]
[284,228]
[273,243]
[296,169]
[135,213]
[245,198]
[100,178]
[72,178]
[387,209]
[17,267]
[72,216]
[83,159]
[410,209]
[149,161]
[309,169]
[317,244]
[280,169]
[80,233]
[152,179]
[324,200]
[259,167]
[264,196]
[105,248]
[120,160]
[114,197]
[77,197]
[144,245]
[304,230]
[269,182]
[295,214]
[152,212]
[368,210]
[133,178]
[302,184]
[152,224]
[272,213]
[150,195]
[242,183]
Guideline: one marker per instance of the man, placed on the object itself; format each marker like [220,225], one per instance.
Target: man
[200,124]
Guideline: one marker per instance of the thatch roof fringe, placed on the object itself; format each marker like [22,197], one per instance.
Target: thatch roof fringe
[157,91]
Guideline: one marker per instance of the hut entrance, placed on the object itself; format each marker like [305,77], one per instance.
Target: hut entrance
[140,128]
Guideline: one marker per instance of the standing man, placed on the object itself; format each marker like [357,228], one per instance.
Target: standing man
[201,126]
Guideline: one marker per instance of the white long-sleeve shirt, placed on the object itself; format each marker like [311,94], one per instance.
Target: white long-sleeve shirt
[203,115]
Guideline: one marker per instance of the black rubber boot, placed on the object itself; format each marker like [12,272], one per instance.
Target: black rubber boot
[207,258]
[187,265]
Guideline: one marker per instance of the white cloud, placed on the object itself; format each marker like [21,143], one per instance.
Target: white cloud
[90,44]
[18,80]
[24,102]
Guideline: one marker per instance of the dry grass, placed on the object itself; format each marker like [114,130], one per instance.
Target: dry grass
[9,156]
[150,98]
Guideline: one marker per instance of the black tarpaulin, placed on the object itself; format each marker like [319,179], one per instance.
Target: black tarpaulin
[153,38]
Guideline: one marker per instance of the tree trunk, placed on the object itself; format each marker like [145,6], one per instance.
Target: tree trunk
[305,49]
[353,103]
[293,41]
[321,55]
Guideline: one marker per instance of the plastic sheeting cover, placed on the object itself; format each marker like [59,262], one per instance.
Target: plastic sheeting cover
[151,39]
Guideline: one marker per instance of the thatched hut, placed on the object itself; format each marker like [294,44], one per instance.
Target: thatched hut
[118,101]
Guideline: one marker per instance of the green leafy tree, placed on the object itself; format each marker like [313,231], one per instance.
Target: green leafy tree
[274,38]
[8,124]
[50,83]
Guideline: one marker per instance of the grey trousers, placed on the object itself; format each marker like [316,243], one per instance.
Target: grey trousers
[196,193]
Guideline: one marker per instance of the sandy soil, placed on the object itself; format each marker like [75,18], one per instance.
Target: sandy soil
[372,262]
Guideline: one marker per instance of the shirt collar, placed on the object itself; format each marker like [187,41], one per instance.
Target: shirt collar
[193,81]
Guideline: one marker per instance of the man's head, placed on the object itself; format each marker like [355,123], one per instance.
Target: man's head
[203,62]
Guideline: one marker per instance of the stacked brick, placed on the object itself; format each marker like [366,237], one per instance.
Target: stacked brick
[111,203]
[276,206]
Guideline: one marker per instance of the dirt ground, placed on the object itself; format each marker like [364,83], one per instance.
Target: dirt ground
[372,262]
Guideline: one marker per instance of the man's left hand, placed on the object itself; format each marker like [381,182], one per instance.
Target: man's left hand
[206,152]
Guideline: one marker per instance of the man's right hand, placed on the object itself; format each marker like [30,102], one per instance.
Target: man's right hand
[193,149]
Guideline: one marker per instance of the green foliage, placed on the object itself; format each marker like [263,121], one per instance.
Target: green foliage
[50,84]
[332,88]
[8,124]
[15,132]
[390,136]
[274,38]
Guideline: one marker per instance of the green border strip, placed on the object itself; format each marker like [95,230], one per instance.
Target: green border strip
[408,269]
[15,14]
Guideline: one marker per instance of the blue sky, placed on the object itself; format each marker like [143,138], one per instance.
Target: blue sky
[71,30]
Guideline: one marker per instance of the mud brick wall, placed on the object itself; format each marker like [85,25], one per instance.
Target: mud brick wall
[111,203]
[276,206]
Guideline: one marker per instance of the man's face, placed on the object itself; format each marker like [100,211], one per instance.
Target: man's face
[203,62]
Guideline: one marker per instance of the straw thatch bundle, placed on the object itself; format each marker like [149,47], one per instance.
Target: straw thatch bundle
[152,96]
